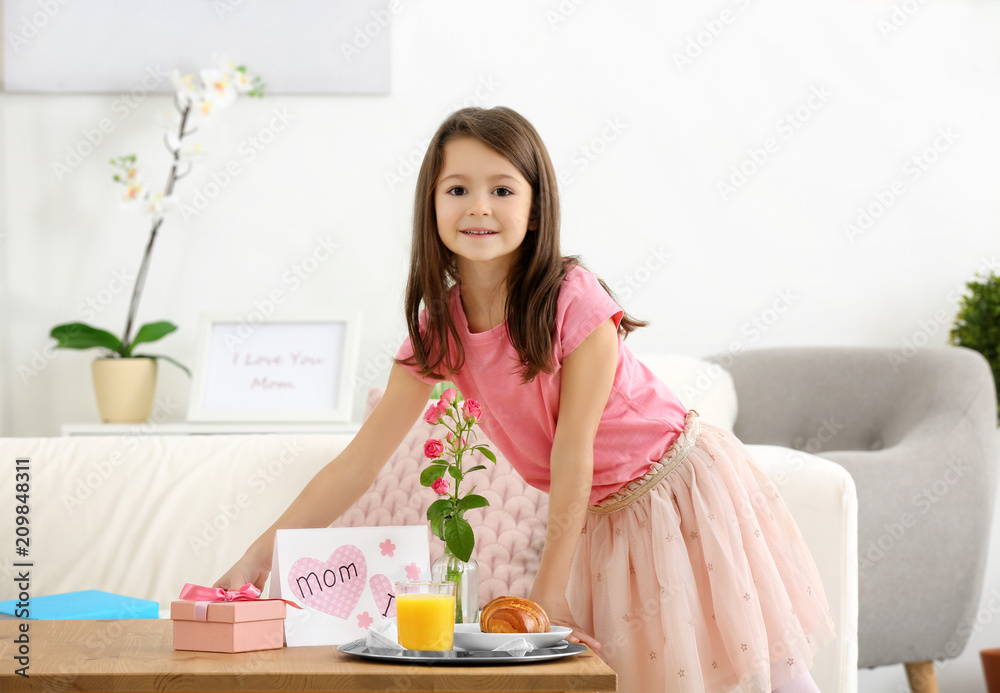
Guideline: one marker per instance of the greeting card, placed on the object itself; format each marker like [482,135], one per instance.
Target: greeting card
[343,578]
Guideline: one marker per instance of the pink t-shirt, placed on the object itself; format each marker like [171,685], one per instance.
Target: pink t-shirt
[642,418]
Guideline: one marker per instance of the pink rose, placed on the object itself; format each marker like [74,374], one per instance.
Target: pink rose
[434,413]
[449,395]
[440,486]
[433,448]
[472,411]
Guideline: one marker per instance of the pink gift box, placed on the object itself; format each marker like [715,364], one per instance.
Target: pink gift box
[238,626]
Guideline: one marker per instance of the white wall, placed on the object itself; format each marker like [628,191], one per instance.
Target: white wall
[648,188]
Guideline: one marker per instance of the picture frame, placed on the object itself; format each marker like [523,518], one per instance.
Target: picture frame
[296,368]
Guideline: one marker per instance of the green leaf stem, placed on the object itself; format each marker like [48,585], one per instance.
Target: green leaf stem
[432,474]
[471,501]
[77,335]
[151,332]
[459,537]
[487,453]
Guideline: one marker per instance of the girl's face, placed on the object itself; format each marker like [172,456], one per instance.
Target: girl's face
[483,205]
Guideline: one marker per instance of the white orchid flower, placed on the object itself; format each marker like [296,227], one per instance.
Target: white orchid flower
[218,86]
[133,194]
[172,141]
[242,82]
[237,75]
[159,205]
[193,153]
[185,87]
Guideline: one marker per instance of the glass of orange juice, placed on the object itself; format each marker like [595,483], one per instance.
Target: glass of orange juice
[425,615]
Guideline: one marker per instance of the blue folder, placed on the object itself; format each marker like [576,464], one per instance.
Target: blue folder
[85,604]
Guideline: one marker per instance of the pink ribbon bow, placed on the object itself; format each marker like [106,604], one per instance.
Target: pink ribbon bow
[203,596]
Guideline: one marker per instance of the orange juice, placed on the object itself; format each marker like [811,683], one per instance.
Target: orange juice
[426,621]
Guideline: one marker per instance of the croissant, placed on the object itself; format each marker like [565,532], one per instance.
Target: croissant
[513,615]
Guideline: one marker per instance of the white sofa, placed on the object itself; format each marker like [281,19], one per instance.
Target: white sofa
[143,514]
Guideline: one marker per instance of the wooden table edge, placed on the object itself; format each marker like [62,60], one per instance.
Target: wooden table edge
[146,645]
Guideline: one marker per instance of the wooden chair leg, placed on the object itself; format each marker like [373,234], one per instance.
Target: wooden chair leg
[921,677]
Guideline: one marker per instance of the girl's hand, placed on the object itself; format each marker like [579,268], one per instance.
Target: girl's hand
[247,569]
[559,614]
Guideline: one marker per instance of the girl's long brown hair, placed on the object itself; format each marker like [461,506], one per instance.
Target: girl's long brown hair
[538,270]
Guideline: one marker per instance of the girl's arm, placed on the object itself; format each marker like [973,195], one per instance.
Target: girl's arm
[340,483]
[587,374]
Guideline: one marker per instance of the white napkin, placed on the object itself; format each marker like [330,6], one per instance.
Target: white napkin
[383,636]
[517,647]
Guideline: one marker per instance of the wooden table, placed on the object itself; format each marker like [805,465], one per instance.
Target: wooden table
[138,655]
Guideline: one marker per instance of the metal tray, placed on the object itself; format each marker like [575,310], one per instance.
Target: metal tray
[562,649]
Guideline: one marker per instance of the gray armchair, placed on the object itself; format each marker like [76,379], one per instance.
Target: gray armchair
[918,435]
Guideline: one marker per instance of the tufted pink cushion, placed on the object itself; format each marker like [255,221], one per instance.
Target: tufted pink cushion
[510,533]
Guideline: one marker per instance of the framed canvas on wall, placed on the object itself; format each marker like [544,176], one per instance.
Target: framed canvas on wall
[121,46]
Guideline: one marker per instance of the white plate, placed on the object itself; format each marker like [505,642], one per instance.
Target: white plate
[469,637]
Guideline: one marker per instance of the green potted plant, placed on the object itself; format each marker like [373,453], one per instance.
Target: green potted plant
[124,380]
[977,325]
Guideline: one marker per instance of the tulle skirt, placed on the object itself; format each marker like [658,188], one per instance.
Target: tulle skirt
[695,577]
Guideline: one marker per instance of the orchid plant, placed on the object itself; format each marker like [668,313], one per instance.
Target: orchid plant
[446,514]
[196,100]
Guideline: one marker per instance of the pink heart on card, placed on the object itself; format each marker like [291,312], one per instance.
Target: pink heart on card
[385,595]
[333,587]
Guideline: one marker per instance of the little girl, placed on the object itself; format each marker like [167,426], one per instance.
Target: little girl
[666,549]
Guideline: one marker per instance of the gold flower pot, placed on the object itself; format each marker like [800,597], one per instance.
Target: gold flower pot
[124,388]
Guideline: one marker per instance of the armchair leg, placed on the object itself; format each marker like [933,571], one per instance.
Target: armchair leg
[921,677]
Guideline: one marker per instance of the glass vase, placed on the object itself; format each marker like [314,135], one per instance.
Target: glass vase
[465,574]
